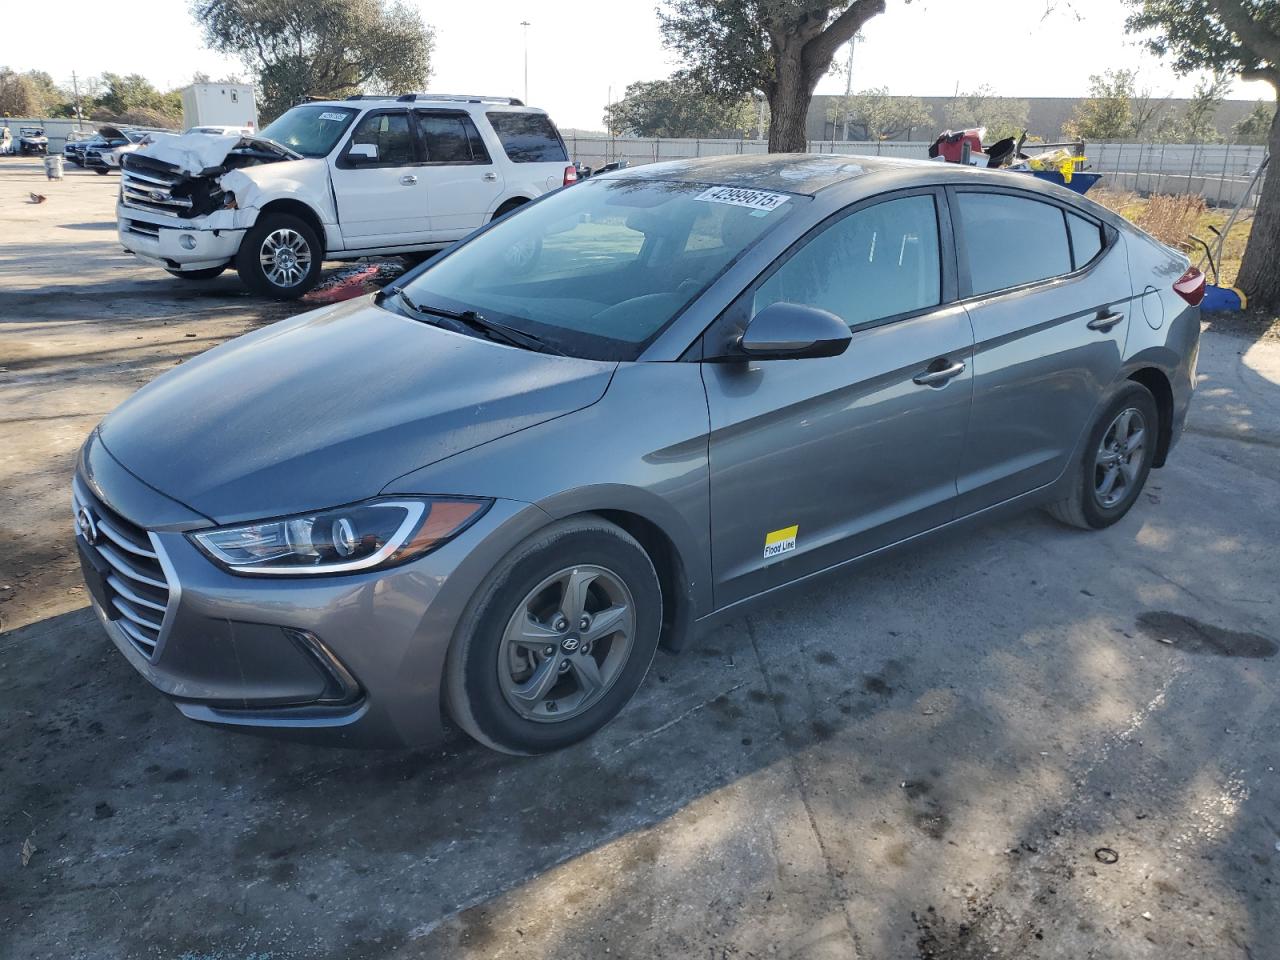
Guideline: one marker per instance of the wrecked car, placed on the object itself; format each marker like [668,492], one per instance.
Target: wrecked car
[32,140]
[335,180]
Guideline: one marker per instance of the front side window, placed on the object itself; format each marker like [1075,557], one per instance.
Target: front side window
[528,137]
[600,269]
[881,261]
[310,130]
[389,134]
[451,138]
[1012,240]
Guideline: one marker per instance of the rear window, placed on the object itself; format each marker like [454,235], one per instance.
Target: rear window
[529,137]
[1012,241]
[1086,239]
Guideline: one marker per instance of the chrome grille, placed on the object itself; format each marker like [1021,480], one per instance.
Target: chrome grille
[147,185]
[140,590]
[142,227]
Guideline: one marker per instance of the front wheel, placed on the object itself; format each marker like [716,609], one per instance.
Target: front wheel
[101,171]
[557,639]
[280,257]
[1116,461]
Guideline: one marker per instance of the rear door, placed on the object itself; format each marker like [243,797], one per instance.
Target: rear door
[462,183]
[1047,288]
[814,461]
[533,145]
[381,199]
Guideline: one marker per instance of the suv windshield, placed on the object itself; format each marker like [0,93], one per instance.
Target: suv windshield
[598,270]
[310,130]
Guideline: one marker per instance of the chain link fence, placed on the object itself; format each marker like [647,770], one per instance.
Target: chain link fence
[1221,173]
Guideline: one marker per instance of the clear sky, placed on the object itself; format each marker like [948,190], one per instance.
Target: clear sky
[580,52]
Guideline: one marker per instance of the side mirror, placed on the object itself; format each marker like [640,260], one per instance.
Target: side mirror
[792,331]
[362,152]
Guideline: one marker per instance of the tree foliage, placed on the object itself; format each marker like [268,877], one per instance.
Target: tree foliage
[678,107]
[133,94]
[1002,116]
[781,48]
[320,48]
[30,94]
[1254,126]
[1116,109]
[875,115]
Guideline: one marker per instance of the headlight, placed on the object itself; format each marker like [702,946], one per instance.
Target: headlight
[377,533]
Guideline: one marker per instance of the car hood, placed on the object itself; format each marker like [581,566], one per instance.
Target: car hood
[197,154]
[329,407]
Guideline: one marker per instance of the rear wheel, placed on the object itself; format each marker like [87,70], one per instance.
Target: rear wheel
[101,171]
[557,640]
[208,273]
[1116,461]
[280,257]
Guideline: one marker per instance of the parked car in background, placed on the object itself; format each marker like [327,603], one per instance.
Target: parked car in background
[494,492]
[31,140]
[74,146]
[114,140]
[336,180]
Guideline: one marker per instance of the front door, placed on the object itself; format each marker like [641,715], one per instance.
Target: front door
[464,184]
[815,461]
[1049,298]
[378,184]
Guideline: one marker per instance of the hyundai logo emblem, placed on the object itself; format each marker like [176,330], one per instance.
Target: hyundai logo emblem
[86,525]
[569,644]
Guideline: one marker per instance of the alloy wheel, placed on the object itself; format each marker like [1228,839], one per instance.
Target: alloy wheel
[566,643]
[1119,458]
[285,256]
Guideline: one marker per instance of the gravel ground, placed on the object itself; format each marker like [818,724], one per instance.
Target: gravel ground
[1028,741]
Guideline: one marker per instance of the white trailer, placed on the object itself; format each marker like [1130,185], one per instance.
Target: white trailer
[219,104]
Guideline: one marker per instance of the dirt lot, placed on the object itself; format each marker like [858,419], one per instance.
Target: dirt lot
[1028,742]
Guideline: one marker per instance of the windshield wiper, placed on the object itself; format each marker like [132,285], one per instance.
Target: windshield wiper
[495,329]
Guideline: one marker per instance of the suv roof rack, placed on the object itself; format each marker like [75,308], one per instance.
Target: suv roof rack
[460,98]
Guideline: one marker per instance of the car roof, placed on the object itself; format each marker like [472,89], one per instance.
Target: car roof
[808,174]
[454,101]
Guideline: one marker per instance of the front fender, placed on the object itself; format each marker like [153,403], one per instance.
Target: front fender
[304,181]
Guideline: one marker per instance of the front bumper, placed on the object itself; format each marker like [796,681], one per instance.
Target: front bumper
[353,660]
[159,242]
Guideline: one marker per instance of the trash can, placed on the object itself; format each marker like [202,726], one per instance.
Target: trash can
[53,166]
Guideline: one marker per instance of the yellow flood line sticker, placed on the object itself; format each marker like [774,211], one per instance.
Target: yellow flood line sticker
[780,541]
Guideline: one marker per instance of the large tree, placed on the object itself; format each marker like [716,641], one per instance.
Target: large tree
[1231,38]
[320,48]
[781,48]
[875,115]
[678,107]
[1116,108]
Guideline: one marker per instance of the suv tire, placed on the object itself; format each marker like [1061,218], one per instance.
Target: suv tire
[1116,461]
[517,677]
[293,255]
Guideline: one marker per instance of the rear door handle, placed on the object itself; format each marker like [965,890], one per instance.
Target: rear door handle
[490,176]
[408,179]
[936,378]
[1105,321]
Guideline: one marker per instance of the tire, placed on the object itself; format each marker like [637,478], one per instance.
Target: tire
[208,273]
[492,681]
[1103,492]
[100,171]
[276,231]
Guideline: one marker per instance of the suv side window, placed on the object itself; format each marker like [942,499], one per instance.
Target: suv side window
[528,137]
[1011,240]
[389,132]
[450,138]
[878,262]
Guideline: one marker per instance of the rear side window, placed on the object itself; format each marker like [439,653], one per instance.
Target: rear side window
[1086,239]
[389,132]
[529,137]
[1011,241]
[451,138]
[879,262]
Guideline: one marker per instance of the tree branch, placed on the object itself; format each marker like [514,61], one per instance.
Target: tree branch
[1257,38]
[823,47]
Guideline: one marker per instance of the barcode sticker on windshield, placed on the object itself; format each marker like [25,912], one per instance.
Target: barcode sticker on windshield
[333,116]
[740,197]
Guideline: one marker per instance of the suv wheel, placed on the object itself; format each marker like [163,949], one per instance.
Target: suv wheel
[280,257]
[557,640]
[1116,461]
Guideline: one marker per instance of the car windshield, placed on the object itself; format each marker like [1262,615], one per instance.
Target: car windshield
[310,130]
[599,269]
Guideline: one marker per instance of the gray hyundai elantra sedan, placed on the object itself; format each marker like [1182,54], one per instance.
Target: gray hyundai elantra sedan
[613,418]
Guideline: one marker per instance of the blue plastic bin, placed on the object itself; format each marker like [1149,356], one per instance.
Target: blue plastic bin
[1080,182]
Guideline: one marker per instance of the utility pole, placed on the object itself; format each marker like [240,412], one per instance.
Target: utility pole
[525,24]
[75,86]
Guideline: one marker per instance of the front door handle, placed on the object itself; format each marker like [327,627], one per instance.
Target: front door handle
[1105,321]
[937,378]
[408,179]
[491,176]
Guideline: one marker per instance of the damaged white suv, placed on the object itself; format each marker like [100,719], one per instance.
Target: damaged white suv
[335,180]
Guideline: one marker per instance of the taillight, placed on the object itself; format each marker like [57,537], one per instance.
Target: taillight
[1190,286]
[570,175]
